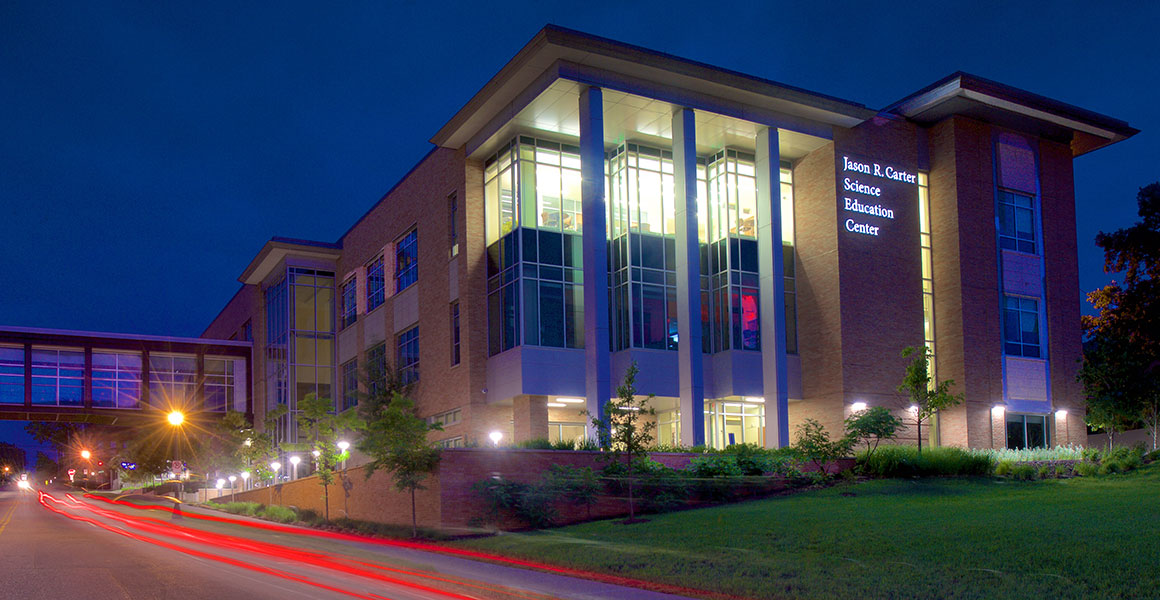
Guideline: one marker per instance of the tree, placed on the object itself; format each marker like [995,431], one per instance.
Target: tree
[321,426]
[813,443]
[150,455]
[622,432]
[395,439]
[1121,365]
[926,395]
[58,435]
[873,424]
[45,466]
[257,448]
[12,457]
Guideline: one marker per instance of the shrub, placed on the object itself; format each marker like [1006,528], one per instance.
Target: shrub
[1004,468]
[1045,472]
[873,425]
[1085,469]
[715,476]
[814,444]
[1107,467]
[586,444]
[1023,472]
[531,504]
[1062,470]
[563,445]
[661,489]
[578,486]
[308,515]
[1017,455]
[281,514]
[1151,456]
[905,461]
[237,508]
[751,459]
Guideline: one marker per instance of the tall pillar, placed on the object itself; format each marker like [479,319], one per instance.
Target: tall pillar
[529,418]
[597,362]
[771,285]
[691,376]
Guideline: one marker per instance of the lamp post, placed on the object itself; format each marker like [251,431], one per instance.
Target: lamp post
[219,485]
[176,419]
[294,460]
[245,479]
[342,446]
[232,480]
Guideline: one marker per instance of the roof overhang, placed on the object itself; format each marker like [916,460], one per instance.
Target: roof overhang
[973,96]
[277,249]
[558,52]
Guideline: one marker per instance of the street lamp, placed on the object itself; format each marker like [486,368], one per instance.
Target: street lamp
[219,485]
[294,460]
[232,480]
[85,454]
[274,466]
[175,418]
[245,479]
[495,437]
[342,446]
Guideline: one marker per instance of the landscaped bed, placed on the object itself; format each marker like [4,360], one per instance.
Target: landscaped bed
[981,537]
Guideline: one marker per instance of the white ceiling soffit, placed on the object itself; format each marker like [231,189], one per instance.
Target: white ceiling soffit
[627,63]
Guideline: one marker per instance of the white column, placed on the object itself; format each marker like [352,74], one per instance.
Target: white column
[691,376]
[771,285]
[598,382]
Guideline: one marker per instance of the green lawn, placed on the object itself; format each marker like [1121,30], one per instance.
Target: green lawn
[951,538]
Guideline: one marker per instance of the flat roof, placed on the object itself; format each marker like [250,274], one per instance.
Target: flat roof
[34,332]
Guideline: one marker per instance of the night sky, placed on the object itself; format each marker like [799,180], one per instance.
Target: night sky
[148,150]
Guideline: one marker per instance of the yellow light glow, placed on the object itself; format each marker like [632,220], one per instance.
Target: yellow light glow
[85,454]
[176,418]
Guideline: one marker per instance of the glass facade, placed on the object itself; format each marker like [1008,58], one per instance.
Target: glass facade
[454,333]
[534,269]
[730,422]
[927,257]
[300,324]
[116,379]
[11,374]
[57,377]
[376,365]
[407,360]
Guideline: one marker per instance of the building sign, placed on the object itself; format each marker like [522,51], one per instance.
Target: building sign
[869,193]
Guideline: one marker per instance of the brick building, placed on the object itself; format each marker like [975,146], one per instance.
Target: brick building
[598,203]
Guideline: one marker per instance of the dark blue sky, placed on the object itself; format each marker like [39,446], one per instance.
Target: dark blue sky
[147,150]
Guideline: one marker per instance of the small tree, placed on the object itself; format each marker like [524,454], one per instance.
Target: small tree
[396,440]
[622,432]
[45,466]
[813,443]
[256,449]
[322,426]
[872,425]
[926,395]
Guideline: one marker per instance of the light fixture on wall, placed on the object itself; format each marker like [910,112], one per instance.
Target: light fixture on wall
[495,437]
[556,405]
[998,410]
[570,400]
[858,406]
[755,400]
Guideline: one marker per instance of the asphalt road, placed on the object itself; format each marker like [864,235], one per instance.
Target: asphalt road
[59,545]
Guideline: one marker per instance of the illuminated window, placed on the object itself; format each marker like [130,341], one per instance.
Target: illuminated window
[1027,431]
[407,261]
[408,355]
[446,419]
[1021,327]
[927,256]
[452,224]
[1016,222]
[116,379]
[376,284]
[455,442]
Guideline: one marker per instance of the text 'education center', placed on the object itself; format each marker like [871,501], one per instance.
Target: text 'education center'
[763,253]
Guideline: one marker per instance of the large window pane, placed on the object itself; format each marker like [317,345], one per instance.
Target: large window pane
[11,375]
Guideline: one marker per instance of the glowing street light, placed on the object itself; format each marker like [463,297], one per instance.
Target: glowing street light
[294,460]
[175,418]
[85,454]
[245,479]
[495,437]
[342,447]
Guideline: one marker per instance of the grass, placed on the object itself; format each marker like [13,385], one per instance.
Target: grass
[928,538]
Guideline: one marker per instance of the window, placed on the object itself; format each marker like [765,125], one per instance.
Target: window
[454,333]
[172,379]
[407,261]
[11,375]
[1027,431]
[408,358]
[565,432]
[927,257]
[376,284]
[452,227]
[1021,327]
[349,301]
[116,379]
[455,442]
[376,366]
[219,384]
[349,384]
[446,419]
[1016,222]
[57,376]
